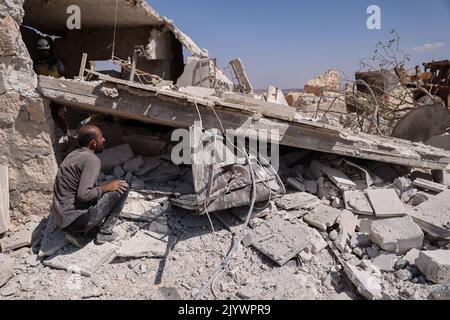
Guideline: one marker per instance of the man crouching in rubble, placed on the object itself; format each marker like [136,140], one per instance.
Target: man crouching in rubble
[79,204]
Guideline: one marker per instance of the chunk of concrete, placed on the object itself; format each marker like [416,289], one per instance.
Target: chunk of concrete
[429,185]
[134,164]
[298,200]
[397,235]
[16,241]
[367,284]
[347,223]
[116,156]
[432,215]
[419,198]
[385,262]
[281,240]
[311,186]
[357,202]
[435,265]
[295,184]
[316,169]
[144,244]
[118,172]
[386,203]
[441,292]
[339,178]
[323,217]
[53,239]
[149,165]
[85,261]
[6,269]
[412,256]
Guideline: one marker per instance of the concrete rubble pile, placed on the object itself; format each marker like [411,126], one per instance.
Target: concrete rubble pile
[347,215]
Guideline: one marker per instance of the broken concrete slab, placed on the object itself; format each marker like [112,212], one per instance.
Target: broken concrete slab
[4,199]
[339,178]
[441,292]
[16,241]
[144,244]
[134,164]
[397,235]
[323,217]
[347,223]
[412,256]
[435,265]
[386,203]
[367,284]
[115,156]
[53,238]
[281,240]
[432,215]
[298,200]
[357,202]
[85,261]
[6,269]
[429,185]
[385,262]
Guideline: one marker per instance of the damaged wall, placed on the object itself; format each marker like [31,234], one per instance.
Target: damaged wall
[26,125]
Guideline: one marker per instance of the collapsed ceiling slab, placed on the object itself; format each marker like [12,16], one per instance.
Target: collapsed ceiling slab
[169,107]
[50,16]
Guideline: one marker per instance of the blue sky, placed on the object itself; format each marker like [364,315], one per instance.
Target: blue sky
[287,42]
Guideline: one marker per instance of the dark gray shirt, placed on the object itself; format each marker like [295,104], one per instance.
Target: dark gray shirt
[75,187]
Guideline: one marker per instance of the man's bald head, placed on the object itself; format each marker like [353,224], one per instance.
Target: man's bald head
[91,137]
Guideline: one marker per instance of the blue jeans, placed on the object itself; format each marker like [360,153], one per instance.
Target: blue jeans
[107,209]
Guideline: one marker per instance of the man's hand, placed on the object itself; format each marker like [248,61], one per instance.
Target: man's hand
[113,186]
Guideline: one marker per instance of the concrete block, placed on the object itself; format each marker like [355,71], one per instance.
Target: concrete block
[16,241]
[397,235]
[116,156]
[357,202]
[311,186]
[347,223]
[412,256]
[143,245]
[6,269]
[338,177]
[432,215]
[435,265]
[386,203]
[367,284]
[85,261]
[134,164]
[441,292]
[281,240]
[4,199]
[429,185]
[53,238]
[149,165]
[322,217]
[385,262]
[118,172]
[298,200]
[295,184]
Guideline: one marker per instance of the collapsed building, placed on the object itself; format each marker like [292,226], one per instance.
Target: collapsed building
[153,89]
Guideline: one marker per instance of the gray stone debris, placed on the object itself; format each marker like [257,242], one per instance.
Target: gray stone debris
[402,184]
[137,184]
[429,185]
[295,184]
[6,269]
[149,165]
[435,265]
[368,284]
[316,169]
[419,198]
[281,240]
[357,202]
[386,203]
[385,262]
[115,156]
[323,217]
[242,212]
[397,235]
[85,261]
[144,244]
[118,172]
[412,256]
[298,200]
[311,186]
[432,215]
[134,164]
[338,177]
[53,238]
[441,292]
[16,241]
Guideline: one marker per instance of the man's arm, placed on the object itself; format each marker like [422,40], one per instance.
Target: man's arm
[87,191]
